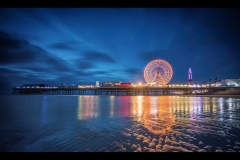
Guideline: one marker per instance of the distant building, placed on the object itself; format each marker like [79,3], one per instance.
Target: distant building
[97,84]
[228,82]
[111,83]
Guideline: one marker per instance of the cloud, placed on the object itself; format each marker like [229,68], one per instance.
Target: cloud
[82,64]
[133,71]
[90,62]
[93,56]
[27,63]
[134,75]
[17,51]
[69,45]
[14,50]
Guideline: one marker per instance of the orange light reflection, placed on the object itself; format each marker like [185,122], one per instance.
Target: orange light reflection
[154,113]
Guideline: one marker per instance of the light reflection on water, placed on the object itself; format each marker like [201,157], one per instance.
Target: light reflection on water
[120,123]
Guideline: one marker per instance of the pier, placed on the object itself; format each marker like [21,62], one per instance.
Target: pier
[122,90]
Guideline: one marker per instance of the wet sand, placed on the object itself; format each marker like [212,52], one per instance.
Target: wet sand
[120,123]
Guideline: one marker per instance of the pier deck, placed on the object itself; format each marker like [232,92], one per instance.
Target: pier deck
[121,90]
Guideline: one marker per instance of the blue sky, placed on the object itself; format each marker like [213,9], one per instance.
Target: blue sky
[84,45]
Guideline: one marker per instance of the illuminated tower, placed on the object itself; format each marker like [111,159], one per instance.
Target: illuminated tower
[189,76]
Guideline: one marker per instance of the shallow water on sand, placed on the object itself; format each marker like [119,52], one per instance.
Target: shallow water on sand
[49,123]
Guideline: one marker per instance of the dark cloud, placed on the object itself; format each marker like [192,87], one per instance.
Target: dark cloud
[61,46]
[65,45]
[28,63]
[89,68]
[82,64]
[20,52]
[96,57]
[101,72]
[133,71]
[134,74]
[14,50]
[87,65]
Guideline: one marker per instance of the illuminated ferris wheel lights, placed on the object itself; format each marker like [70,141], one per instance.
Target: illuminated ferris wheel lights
[158,72]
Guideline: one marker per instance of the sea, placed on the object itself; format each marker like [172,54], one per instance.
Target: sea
[100,123]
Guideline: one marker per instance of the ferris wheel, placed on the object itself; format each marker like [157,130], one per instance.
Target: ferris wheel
[158,72]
